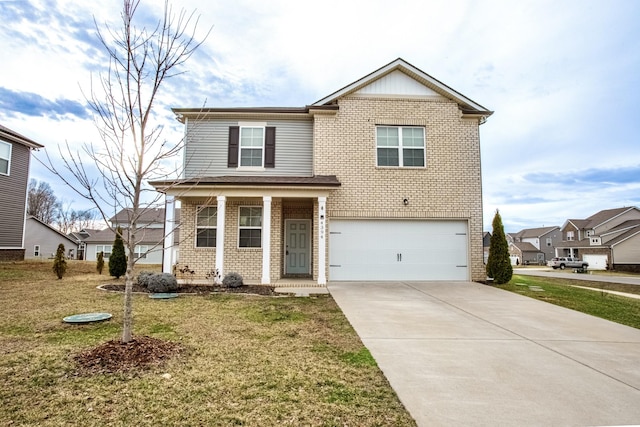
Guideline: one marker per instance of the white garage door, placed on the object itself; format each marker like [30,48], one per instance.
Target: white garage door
[398,250]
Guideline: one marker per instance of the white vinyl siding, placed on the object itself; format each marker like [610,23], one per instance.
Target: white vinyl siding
[400,146]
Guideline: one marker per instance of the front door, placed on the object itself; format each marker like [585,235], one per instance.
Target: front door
[297,246]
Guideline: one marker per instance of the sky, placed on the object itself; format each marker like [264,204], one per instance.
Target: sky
[563,78]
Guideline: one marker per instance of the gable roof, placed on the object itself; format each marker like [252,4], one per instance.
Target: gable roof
[467,105]
[147,216]
[525,247]
[8,135]
[535,232]
[598,218]
[606,215]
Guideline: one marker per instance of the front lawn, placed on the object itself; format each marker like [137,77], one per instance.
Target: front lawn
[247,360]
[595,302]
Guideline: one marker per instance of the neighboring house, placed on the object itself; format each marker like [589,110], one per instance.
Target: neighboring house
[486,244]
[41,240]
[79,237]
[534,245]
[149,249]
[15,156]
[380,180]
[609,239]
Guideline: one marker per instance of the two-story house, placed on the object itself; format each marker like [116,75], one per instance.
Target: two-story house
[534,245]
[149,247]
[607,239]
[379,180]
[15,157]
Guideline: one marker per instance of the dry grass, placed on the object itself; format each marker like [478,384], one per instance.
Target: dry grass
[250,360]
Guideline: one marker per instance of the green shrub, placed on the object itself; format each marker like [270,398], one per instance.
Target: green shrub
[59,263]
[499,264]
[118,258]
[100,262]
[232,280]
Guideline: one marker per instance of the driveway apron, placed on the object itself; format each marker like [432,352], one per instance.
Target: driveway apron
[462,353]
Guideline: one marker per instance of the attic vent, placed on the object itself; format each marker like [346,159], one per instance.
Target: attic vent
[595,241]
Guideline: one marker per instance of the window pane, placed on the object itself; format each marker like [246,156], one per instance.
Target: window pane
[413,157]
[208,217]
[206,238]
[4,166]
[5,149]
[251,157]
[250,238]
[388,157]
[413,137]
[387,137]
[250,217]
[251,137]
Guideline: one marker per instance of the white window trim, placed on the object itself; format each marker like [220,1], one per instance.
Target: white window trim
[215,227]
[250,227]
[105,252]
[251,125]
[400,147]
[8,159]
[140,251]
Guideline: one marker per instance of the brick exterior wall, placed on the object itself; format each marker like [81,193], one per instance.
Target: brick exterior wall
[449,187]
[11,254]
[246,261]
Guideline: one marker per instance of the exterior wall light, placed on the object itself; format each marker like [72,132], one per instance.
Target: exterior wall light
[406,202]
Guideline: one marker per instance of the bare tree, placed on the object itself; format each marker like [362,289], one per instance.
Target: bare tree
[69,220]
[131,150]
[42,202]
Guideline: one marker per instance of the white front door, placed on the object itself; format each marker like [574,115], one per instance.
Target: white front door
[297,246]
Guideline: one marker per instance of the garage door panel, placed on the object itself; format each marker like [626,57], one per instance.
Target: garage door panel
[398,250]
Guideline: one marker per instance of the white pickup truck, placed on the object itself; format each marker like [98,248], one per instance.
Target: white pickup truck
[563,262]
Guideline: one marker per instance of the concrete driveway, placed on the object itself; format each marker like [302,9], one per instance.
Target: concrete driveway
[462,353]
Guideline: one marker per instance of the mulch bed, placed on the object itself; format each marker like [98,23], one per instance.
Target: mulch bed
[115,356]
[203,289]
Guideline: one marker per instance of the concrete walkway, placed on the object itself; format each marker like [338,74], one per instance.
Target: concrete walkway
[462,353]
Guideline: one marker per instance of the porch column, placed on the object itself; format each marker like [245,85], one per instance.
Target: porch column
[222,200]
[169,224]
[266,240]
[322,255]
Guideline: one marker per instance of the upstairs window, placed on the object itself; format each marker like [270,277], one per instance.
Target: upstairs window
[251,146]
[250,227]
[5,158]
[206,227]
[569,235]
[400,146]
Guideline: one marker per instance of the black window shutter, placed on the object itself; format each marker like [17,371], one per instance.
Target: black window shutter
[270,148]
[234,140]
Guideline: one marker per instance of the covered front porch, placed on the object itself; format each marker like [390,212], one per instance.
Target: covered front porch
[270,234]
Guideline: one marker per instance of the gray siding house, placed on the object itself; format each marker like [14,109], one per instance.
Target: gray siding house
[15,156]
[41,241]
